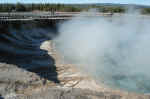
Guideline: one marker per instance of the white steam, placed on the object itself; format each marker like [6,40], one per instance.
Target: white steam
[113,49]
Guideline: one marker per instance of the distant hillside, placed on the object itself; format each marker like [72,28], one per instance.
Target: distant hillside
[102,7]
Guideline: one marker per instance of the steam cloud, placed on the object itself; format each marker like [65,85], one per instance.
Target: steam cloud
[114,49]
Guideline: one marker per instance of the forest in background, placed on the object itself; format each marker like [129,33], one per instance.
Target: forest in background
[106,8]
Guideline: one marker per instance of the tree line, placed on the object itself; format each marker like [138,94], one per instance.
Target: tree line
[63,8]
[37,7]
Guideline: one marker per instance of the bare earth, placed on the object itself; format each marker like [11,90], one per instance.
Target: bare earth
[17,83]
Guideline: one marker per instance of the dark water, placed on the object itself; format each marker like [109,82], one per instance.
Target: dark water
[20,45]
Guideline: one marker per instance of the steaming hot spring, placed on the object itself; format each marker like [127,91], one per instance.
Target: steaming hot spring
[114,50]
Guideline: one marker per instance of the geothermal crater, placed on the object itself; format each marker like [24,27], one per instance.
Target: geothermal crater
[113,51]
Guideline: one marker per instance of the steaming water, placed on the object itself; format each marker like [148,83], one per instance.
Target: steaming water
[114,50]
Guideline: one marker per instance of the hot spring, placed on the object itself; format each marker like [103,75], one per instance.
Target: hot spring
[114,50]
